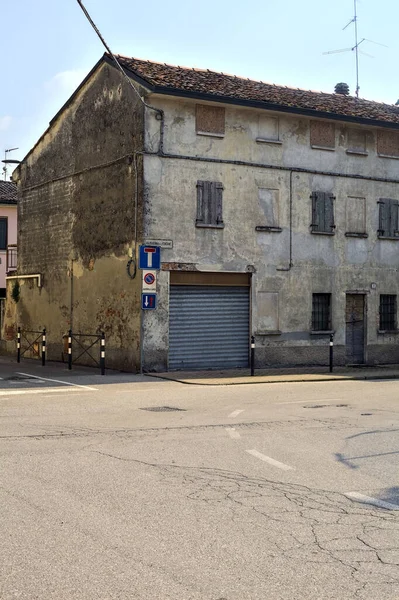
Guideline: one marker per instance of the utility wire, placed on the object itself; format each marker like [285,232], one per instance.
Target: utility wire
[116,61]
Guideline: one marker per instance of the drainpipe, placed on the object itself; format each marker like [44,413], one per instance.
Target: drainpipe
[35,276]
[291,264]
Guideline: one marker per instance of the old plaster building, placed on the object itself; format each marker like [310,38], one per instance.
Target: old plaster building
[276,209]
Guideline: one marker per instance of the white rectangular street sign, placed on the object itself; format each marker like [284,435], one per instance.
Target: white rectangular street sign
[165,244]
[149,281]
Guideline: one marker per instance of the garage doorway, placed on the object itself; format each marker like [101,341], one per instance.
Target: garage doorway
[208,321]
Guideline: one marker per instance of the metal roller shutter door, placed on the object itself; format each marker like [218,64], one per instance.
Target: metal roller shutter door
[208,327]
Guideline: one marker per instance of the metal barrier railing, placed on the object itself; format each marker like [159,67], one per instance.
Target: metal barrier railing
[79,339]
[24,335]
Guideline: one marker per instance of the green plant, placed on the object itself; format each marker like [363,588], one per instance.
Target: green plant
[16,291]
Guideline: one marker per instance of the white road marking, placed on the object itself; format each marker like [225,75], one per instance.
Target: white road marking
[271,461]
[233,433]
[36,391]
[369,500]
[85,387]
[235,413]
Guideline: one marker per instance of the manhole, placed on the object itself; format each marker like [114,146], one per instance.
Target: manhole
[162,408]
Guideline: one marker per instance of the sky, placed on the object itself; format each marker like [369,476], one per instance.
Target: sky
[48,46]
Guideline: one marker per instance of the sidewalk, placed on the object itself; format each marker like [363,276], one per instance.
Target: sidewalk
[296,374]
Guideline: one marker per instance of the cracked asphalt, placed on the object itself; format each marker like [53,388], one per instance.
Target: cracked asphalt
[283,491]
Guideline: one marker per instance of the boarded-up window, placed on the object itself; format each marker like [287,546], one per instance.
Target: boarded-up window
[388,143]
[267,310]
[210,119]
[269,203]
[268,128]
[388,218]
[355,214]
[357,141]
[322,213]
[322,134]
[209,204]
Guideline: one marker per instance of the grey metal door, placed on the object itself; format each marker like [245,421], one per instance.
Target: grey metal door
[354,328]
[208,327]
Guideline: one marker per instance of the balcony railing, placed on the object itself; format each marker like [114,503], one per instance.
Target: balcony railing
[12,255]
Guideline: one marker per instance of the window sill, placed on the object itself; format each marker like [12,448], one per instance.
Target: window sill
[322,332]
[387,237]
[356,235]
[261,140]
[322,148]
[267,229]
[322,232]
[210,225]
[387,331]
[209,134]
[357,152]
[388,156]
[271,332]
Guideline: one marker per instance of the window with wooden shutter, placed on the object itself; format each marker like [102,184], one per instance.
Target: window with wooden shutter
[323,213]
[209,204]
[388,226]
[3,233]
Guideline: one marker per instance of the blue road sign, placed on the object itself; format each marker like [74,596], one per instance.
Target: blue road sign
[148,301]
[150,257]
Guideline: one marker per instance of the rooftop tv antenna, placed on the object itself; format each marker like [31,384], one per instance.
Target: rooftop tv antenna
[355,48]
[8,161]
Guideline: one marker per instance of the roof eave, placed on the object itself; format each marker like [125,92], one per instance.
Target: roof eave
[271,106]
[169,91]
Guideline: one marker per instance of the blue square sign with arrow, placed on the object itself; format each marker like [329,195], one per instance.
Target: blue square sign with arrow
[148,301]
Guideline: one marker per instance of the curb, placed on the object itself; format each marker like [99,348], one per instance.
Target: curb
[315,379]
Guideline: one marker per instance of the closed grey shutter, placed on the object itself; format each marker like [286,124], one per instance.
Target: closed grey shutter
[393,225]
[218,202]
[329,225]
[208,327]
[200,201]
[383,220]
[318,213]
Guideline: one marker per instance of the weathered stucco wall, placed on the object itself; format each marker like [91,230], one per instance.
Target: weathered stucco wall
[281,300]
[77,221]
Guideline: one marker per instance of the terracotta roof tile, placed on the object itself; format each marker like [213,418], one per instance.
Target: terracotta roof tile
[8,192]
[198,81]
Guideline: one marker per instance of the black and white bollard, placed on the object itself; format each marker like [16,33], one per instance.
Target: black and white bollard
[252,355]
[102,354]
[331,351]
[70,349]
[19,345]
[44,347]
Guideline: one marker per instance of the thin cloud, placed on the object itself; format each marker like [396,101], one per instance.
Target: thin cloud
[5,122]
[65,81]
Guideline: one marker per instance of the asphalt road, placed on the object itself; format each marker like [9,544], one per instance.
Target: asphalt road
[268,491]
